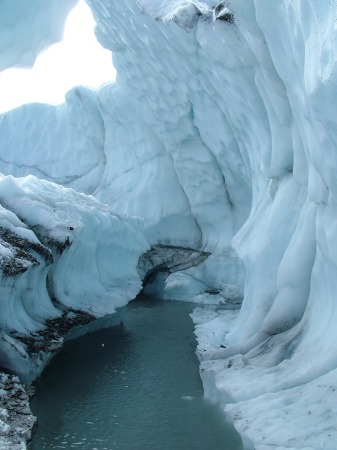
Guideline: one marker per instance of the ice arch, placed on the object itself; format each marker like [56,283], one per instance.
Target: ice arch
[27,29]
[225,112]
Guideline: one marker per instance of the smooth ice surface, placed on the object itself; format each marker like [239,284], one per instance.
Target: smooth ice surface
[220,133]
[135,386]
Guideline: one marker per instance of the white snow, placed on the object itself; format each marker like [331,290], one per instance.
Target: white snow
[220,134]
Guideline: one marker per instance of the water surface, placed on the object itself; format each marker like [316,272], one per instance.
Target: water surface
[131,387]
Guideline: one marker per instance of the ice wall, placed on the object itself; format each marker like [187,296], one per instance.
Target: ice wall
[65,259]
[220,132]
[241,94]
[97,144]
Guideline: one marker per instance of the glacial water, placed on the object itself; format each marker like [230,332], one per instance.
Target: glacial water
[132,387]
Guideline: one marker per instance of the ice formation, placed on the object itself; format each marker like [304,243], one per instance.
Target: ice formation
[220,135]
[64,255]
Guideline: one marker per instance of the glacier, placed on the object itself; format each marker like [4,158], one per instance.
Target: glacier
[212,154]
[26,31]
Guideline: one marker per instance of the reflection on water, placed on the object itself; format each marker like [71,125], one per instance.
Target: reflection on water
[135,386]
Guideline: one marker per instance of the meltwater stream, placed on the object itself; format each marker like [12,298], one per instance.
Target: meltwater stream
[134,386]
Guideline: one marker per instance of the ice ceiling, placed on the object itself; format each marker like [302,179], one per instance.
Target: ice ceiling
[220,136]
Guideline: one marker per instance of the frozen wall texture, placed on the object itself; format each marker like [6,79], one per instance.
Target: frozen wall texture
[221,134]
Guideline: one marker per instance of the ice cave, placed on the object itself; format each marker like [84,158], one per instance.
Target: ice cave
[205,173]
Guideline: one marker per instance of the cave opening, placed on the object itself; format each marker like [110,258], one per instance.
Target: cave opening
[76,59]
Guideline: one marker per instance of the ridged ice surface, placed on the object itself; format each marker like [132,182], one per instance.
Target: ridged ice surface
[220,132]
[67,254]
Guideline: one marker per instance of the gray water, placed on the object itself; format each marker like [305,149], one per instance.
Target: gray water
[132,387]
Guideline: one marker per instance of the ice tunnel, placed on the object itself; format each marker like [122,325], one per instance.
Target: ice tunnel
[210,160]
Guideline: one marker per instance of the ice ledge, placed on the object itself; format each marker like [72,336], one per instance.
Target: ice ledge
[66,259]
